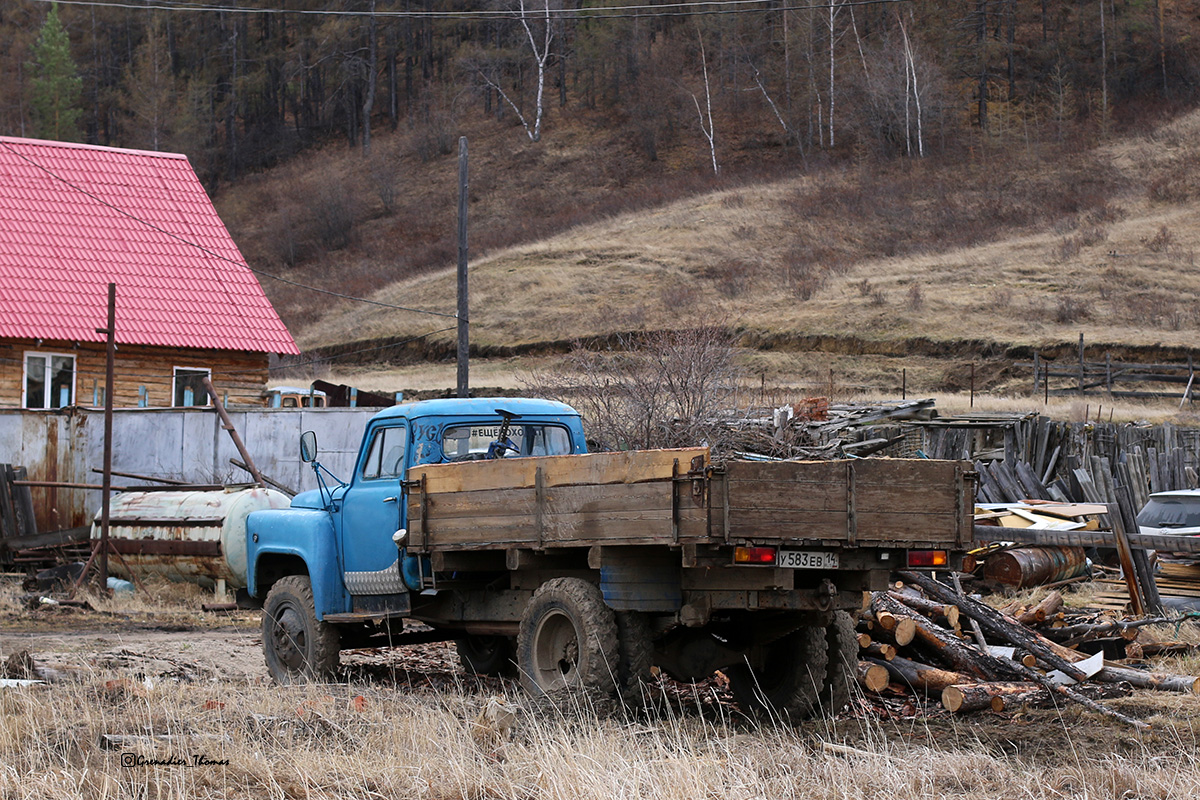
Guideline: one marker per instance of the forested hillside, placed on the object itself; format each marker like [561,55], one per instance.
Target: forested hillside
[325,129]
[241,85]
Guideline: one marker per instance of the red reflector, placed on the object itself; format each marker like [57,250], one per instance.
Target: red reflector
[927,558]
[754,555]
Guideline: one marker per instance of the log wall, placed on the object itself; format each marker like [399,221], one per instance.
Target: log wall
[243,375]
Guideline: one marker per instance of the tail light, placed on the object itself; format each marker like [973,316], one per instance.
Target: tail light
[754,555]
[928,558]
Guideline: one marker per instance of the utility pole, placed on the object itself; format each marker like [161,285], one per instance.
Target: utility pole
[464,339]
[106,479]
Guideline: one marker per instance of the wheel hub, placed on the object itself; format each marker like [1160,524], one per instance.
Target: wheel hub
[288,639]
[556,652]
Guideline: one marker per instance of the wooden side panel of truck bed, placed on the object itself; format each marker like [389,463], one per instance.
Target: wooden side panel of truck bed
[557,501]
[884,501]
[648,497]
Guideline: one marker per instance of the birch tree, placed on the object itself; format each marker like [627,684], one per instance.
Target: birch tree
[539,42]
[706,127]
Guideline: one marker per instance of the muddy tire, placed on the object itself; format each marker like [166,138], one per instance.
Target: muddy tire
[788,683]
[635,656]
[842,648]
[487,655]
[298,647]
[568,641]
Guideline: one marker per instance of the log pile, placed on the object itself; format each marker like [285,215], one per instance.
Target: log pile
[1010,658]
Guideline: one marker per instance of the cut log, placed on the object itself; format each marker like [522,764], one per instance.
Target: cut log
[872,677]
[864,640]
[961,698]
[921,677]
[996,624]
[880,650]
[1038,696]
[1114,673]
[1050,605]
[950,650]
[940,612]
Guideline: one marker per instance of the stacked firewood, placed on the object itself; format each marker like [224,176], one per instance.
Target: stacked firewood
[913,636]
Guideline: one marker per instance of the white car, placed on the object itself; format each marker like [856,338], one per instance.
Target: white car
[1174,513]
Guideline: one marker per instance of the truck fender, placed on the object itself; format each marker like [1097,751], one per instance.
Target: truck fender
[296,533]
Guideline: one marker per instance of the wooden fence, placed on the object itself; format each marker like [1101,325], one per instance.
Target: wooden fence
[1100,377]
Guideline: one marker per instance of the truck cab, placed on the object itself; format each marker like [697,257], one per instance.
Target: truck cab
[340,548]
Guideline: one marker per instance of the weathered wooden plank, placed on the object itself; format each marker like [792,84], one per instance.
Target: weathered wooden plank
[633,466]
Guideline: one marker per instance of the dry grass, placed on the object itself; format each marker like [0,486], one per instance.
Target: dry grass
[323,742]
[367,740]
[993,268]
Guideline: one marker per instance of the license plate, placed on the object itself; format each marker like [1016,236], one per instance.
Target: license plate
[808,559]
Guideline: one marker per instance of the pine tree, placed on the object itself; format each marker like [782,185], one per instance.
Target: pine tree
[54,92]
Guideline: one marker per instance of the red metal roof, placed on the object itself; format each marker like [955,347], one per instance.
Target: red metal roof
[74,218]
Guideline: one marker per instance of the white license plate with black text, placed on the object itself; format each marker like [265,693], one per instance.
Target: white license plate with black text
[808,559]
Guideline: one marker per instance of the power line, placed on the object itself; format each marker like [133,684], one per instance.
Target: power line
[212,253]
[698,8]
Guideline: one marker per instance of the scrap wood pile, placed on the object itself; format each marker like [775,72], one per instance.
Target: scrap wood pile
[912,639]
[814,428]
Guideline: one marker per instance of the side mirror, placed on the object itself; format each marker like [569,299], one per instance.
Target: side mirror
[308,447]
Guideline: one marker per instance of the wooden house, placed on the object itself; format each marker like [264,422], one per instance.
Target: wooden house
[74,218]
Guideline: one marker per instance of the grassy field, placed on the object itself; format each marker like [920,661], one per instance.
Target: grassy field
[1028,249]
[410,723]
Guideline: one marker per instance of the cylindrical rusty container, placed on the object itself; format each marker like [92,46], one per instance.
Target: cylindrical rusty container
[185,535]
[1033,566]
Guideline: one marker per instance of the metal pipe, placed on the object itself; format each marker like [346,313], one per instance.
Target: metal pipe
[227,424]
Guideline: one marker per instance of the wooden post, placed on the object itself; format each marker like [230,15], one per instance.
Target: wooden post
[1081,366]
[227,424]
[106,479]
[904,384]
[1046,384]
[1037,372]
[464,340]
[1108,372]
[972,384]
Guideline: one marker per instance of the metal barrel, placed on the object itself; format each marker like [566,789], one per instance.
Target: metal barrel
[1033,566]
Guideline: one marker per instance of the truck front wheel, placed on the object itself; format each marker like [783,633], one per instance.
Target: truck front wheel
[787,680]
[568,640]
[297,645]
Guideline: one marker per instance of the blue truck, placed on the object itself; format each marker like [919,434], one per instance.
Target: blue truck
[487,521]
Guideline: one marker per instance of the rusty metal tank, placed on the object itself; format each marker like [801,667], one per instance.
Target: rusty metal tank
[1033,566]
[185,535]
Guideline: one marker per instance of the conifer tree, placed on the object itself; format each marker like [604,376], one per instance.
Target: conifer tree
[54,92]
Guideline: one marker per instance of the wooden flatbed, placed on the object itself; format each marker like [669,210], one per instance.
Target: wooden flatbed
[676,497]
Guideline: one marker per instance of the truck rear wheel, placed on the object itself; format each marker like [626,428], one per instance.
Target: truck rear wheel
[789,679]
[568,640]
[842,663]
[635,656]
[298,647]
[486,655]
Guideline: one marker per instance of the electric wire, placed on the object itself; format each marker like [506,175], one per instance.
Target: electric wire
[709,7]
[209,252]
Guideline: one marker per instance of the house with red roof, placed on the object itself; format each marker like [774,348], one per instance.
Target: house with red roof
[74,218]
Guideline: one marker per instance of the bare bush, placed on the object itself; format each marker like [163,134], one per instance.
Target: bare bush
[804,280]
[1068,248]
[1161,241]
[1001,298]
[1069,309]
[661,389]
[732,277]
[916,298]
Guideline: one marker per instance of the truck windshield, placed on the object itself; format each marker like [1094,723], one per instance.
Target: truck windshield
[471,441]
[385,458]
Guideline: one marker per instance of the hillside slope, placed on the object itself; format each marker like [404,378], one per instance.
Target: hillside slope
[1029,250]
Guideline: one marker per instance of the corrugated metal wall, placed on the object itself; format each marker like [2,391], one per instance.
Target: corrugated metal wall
[187,444]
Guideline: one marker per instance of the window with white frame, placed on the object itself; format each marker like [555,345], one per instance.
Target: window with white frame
[49,380]
[189,387]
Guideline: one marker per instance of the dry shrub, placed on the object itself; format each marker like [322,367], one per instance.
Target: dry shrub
[732,277]
[1068,248]
[916,298]
[659,389]
[1001,298]
[1161,241]
[1070,309]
